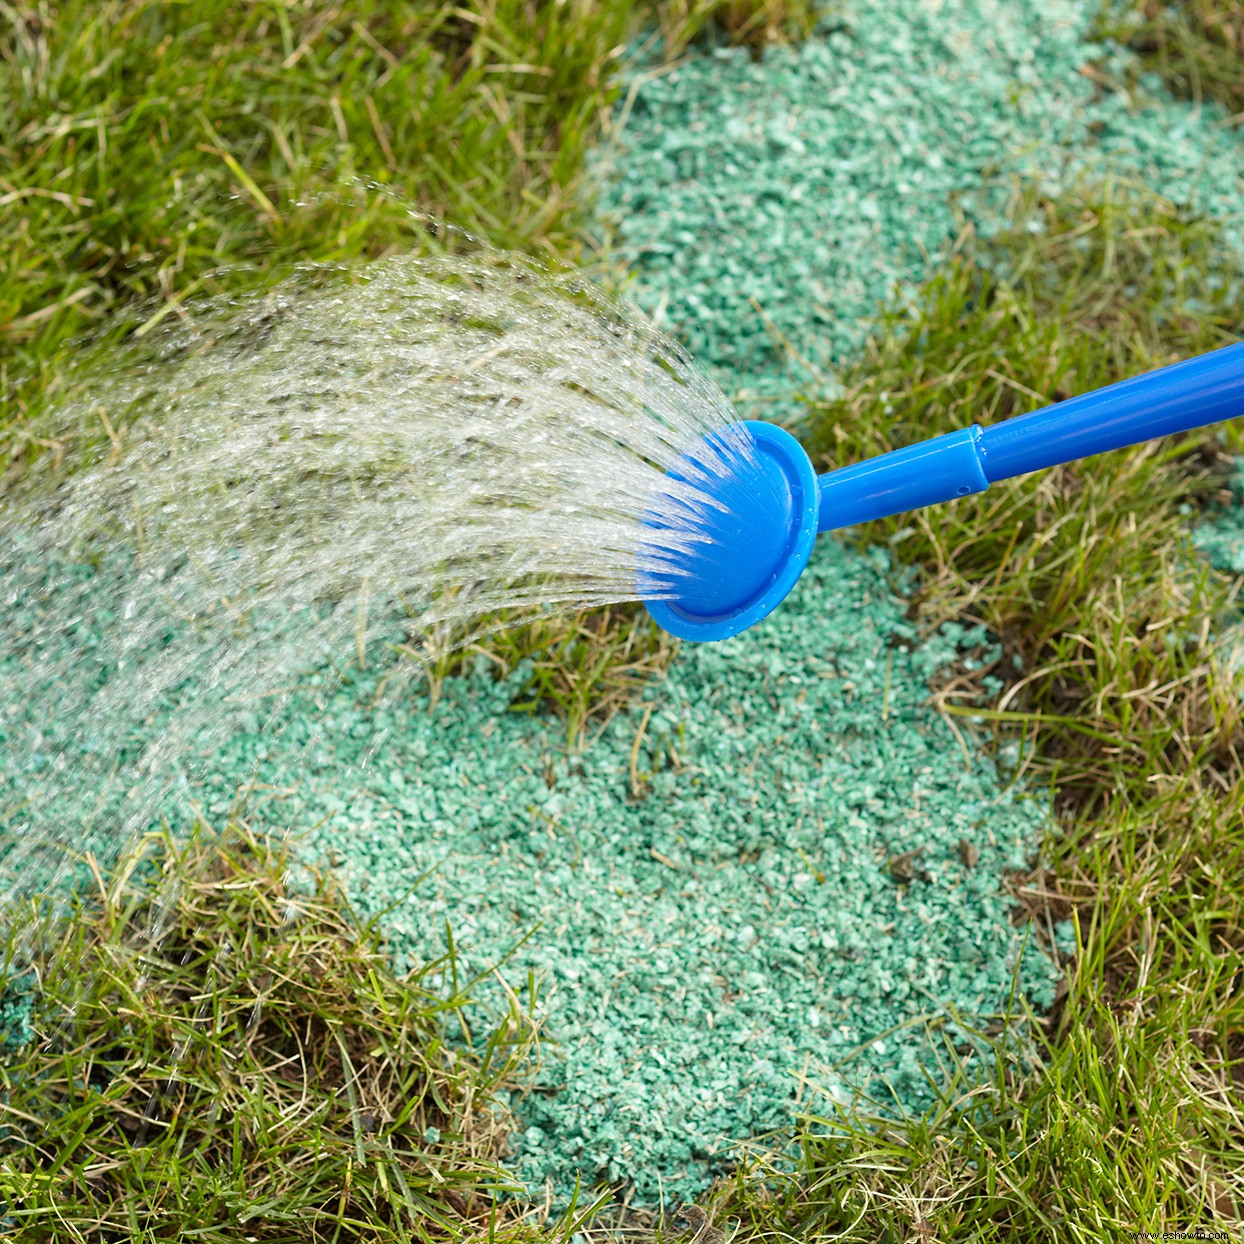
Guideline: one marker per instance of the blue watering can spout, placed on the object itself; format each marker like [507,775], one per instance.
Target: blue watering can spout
[723,568]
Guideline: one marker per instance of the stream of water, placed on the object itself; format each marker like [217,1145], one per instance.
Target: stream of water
[264,487]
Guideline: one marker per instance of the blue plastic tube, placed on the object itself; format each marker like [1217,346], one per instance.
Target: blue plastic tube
[1186,395]
[1178,398]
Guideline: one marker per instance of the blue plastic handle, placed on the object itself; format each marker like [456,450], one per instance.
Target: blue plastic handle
[1191,394]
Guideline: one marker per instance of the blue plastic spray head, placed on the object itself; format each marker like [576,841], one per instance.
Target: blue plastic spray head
[730,563]
[710,569]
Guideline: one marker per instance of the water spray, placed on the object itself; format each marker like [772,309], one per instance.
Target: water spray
[768,504]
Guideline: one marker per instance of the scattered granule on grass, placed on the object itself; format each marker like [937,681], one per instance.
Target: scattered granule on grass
[778,880]
[770,207]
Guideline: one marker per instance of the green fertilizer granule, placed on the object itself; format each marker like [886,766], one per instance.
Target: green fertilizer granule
[777,881]
[770,207]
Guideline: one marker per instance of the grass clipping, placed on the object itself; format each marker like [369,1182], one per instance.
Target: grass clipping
[217,1047]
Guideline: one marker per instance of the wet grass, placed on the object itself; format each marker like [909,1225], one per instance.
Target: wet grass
[582,668]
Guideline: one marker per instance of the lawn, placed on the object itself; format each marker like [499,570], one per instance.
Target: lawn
[148,157]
